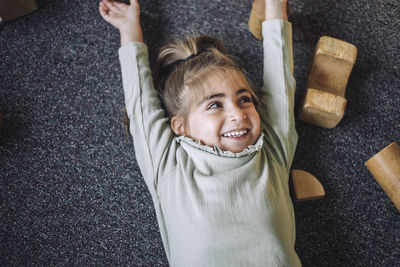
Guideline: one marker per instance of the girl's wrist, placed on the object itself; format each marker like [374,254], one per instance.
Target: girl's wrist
[275,9]
[129,35]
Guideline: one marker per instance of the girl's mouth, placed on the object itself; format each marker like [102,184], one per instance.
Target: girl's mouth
[236,133]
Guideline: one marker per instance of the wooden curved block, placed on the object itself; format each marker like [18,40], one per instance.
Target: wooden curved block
[257,16]
[385,167]
[333,62]
[306,186]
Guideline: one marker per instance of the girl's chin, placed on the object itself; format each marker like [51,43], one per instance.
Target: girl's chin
[236,145]
[234,148]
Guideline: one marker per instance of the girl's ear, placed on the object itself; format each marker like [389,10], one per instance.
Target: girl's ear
[178,126]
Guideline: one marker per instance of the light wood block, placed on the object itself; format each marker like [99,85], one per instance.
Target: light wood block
[306,186]
[13,9]
[385,167]
[257,16]
[322,108]
[324,103]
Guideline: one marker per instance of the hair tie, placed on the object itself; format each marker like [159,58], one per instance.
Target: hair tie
[178,62]
[194,55]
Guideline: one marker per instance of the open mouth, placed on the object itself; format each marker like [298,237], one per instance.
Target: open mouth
[236,133]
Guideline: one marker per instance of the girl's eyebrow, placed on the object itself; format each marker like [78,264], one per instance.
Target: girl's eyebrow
[243,90]
[206,98]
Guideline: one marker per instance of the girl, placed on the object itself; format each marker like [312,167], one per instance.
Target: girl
[216,165]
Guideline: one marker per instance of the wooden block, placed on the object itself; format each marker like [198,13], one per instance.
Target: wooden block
[385,167]
[12,9]
[257,16]
[306,186]
[333,61]
[322,108]
[332,65]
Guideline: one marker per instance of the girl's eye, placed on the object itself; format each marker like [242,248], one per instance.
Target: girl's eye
[245,99]
[214,105]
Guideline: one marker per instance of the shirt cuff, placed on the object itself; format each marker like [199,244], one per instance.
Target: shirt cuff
[275,27]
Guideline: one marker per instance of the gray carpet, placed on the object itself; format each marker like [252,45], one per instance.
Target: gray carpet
[71,192]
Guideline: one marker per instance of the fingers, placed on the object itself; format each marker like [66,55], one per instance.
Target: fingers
[108,5]
[111,9]
[103,10]
[134,2]
[115,6]
[108,10]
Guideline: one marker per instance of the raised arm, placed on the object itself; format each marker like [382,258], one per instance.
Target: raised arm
[148,125]
[279,84]
[124,17]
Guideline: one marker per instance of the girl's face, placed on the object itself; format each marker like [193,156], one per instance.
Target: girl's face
[225,116]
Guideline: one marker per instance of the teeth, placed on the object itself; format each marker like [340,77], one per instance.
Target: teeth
[236,133]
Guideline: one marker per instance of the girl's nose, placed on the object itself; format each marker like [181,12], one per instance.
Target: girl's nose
[237,114]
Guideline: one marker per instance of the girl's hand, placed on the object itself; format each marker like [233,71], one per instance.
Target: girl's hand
[275,9]
[126,18]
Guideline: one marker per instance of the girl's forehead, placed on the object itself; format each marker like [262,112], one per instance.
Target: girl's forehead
[231,78]
[214,82]
[219,80]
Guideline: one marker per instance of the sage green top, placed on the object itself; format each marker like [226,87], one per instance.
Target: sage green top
[214,207]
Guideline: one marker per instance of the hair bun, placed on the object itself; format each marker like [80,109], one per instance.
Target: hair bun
[176,51]
[205,42]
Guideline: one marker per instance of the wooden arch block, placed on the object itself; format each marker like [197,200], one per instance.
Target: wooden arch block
[385,167]
[306,186]
[324,103]
[257,16]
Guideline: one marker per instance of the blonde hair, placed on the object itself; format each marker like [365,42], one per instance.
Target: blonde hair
[184,68]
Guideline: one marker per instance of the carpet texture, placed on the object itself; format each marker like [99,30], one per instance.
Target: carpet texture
[71,192]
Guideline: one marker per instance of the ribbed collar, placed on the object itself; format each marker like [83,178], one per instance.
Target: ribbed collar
[216,150]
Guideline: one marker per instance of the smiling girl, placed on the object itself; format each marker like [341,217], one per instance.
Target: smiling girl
[216,164]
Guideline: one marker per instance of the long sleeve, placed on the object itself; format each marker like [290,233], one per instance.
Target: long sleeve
[148,125]
[277,100]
